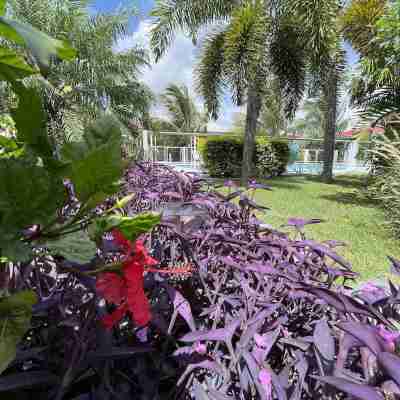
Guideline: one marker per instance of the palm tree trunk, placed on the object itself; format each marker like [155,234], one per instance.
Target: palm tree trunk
[252,114]
[330,93]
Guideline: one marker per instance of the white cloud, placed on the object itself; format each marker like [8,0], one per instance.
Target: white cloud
[176,66]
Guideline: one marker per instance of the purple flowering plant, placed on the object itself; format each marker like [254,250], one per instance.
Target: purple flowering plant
[258,314]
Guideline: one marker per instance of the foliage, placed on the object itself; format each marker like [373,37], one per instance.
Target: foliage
[384,183]
[45,200]
[101,77]
[257,322]
[376,93]
[223,157]
[182,110]
[311,123]
[253,42]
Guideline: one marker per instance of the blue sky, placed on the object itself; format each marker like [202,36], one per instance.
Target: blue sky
[178,64]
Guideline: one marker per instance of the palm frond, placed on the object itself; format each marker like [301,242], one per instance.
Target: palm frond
[245,50]
[318,22]
[188,16]
[211,80]
[357,23]
[289,63]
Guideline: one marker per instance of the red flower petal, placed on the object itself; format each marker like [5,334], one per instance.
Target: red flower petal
[122,241]
[111,319]
[111,287]
[141,255]
[137,301]
[139,305]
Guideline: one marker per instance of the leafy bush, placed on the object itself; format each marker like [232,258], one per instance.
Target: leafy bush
[384,183]
[223,157]
[238,310]
[266,315]
[272,157]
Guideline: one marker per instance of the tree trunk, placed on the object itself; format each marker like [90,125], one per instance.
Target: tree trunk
[253,112]
[330,93]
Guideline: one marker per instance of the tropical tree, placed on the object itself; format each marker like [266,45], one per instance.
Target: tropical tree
[182,110]
[101,77]
[310,121]
[373,28]
[251,40]
[272,120]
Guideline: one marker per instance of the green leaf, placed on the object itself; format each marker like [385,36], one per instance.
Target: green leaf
[3,4]
[30,121]
[74,247]
[131,227]
[8,144]
[12,66]
[42,46]
[15,316]
[29,194]
[96,163]
[121,203]
[14,249]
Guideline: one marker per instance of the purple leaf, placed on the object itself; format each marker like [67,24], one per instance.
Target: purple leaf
[395,269]
[218,395]
[391,364]
[364,333]
[301,223]
[359,392]
[219,335]
[181,305]
[264,344]
[324,340]
[24,380]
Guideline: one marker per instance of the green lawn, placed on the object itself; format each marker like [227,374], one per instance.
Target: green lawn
[349,218]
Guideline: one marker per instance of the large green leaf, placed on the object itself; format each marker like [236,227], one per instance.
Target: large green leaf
[131,227]
[29,194]
[42,46]
[3,4]
[74,247]
[13,248]
[96,163]
[15,316]
[30,121]
[12,66]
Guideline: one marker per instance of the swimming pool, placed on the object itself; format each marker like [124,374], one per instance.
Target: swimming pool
[315,168]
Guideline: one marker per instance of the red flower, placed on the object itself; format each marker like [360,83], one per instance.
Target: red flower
[127,292]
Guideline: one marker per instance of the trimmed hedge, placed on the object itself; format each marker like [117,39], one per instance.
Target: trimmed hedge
[223,157]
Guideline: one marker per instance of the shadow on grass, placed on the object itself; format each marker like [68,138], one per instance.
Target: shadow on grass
[345,181]
[286,182]
[354,198]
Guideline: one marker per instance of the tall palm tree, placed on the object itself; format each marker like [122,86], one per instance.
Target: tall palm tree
[100,77]
[182,111]
[251,40]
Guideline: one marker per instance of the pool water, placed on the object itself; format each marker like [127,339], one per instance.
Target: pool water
[315,168]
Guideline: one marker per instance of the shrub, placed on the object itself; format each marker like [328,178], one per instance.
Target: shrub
[223,157]
[272,157]
[238,309]
[384,184]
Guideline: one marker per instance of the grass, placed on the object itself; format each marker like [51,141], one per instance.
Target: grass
[349,217]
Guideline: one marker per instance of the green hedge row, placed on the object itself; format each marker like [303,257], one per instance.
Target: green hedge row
[223,157]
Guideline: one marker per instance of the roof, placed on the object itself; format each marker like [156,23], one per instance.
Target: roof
[352,132]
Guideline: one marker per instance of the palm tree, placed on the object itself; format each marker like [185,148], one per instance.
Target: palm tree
[183,113]
[372,28]
[251,40]
[100,77]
